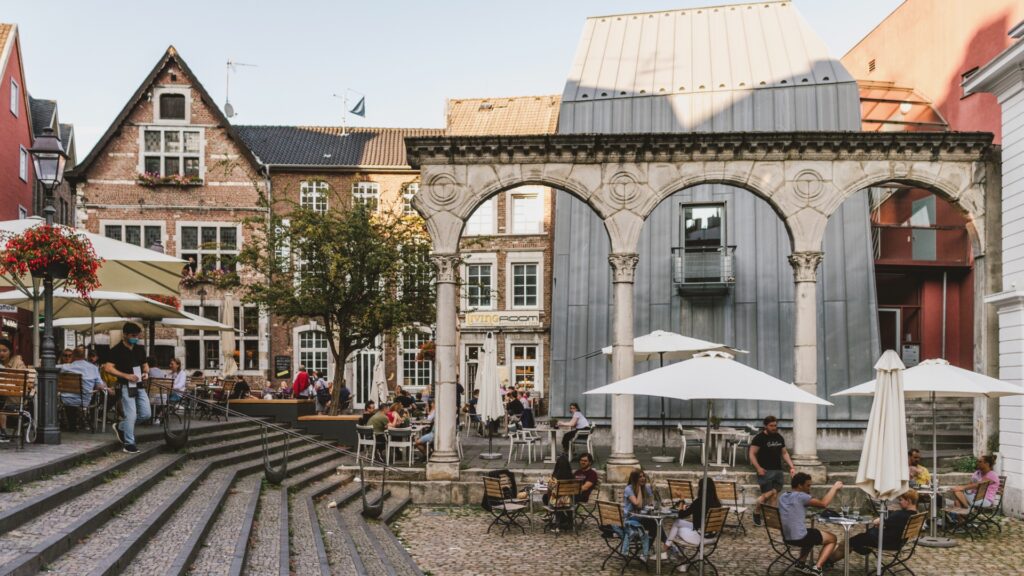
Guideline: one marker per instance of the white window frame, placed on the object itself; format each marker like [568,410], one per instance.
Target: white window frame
[161,91]
[141,224]
[22,212]
[23,162]
[200,251]
[15,98]
[313,193]
[513,258]
[408,193]
[203,336]
[537,363]
[364,191]
[483,220]
[478,259]
[161,154]
[510,203]
[297,358]
[243,340]
[401,352]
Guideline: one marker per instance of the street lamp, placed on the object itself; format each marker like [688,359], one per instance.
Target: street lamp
[48,159]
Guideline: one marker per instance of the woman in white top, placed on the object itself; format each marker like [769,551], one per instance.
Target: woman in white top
[576,423]
[180,380]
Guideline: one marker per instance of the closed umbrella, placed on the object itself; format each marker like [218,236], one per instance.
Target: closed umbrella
[710,376]
[662,345]
[380,381]
[883,472]
[490,406]
[938,378]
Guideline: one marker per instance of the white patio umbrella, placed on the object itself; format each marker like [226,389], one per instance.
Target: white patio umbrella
[189,322]
[933,379]
[490,406]
[663,345]
[126,267]
[710,376]
[380,381]
[883,472]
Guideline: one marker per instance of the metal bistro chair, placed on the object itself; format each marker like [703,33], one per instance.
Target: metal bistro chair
[727,494]
[742,442]
[714,523]
[365,437]
[14,387]
[584,437]
[987,516]
[520,439]
[680,491]
[561,500]
[71,383]
[399,439]
[894,561]
[688,437]
[783,552]
[157,388]
[505,510]
[970,524]
[624,542]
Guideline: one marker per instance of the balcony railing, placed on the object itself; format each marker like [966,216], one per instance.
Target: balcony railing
[921,245]
[703,269]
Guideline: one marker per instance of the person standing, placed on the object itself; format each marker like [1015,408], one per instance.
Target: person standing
[767,453]
[126,361]
[300,383]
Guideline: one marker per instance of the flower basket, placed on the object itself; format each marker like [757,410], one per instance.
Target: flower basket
[427,352]
[52,250]
[171,301]
[153,180]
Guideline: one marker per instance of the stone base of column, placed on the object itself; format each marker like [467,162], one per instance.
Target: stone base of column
[443,467]
[619,466]
[811,465]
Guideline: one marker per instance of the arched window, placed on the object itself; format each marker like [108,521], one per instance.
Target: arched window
[313,195]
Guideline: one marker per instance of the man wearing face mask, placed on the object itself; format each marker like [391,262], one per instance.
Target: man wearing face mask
[126,361]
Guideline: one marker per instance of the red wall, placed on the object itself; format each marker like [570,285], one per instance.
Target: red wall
[15,131]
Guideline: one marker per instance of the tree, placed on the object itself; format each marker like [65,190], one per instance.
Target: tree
[359,273]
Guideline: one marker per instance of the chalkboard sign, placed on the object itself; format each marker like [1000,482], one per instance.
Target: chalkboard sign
[283,367]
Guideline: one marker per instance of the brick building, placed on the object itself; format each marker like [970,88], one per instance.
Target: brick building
[45,114]
[170,173]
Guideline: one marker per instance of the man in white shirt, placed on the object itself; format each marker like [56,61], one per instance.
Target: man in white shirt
[575,424]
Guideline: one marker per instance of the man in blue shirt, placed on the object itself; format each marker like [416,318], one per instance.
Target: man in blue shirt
[91,380]
[793,511]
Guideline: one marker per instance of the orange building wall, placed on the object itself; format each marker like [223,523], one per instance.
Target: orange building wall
[929,44]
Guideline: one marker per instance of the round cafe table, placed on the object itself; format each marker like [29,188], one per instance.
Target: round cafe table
[658,515]
[847,522]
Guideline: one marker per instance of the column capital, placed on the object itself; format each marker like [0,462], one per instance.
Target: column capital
[623,266]
[805,265]
[447,266]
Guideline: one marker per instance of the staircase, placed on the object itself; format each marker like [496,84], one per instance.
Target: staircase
[954,419]
[205,509]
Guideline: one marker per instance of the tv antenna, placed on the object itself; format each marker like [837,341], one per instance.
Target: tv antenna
[232,66]
[358,110]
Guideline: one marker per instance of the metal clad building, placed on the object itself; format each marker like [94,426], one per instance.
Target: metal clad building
[745,67]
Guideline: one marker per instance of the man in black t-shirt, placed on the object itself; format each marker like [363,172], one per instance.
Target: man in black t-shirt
[767,451]
[126,361]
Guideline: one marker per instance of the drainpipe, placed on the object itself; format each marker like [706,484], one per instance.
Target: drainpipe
[270,315]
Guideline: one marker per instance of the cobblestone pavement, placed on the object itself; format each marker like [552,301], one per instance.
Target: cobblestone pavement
[336,539]
[37,488]
[453,542]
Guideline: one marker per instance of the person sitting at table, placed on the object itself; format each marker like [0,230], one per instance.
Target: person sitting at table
[895,522]
[919,475]
[587,476]
[513,407]
[392,412]
[427,433]
[91,380]
[65,357]
[369,409]
[793,512]
[689,530]
[968,493]
[402,419]
[241,389]
[635,496]
[380,423]
[179,381]
[527,417]
[10,360]
[576,423]
[562,471]
[405,399]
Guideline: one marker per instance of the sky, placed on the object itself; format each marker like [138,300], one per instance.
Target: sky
[405,56]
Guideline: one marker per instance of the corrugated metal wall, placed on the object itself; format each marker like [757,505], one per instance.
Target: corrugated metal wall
[758,314]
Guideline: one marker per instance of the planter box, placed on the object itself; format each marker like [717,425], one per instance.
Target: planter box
[281,411]
[340,429]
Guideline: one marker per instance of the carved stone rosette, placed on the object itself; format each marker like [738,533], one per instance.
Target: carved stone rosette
[447,266]
[805,265]
[623,267]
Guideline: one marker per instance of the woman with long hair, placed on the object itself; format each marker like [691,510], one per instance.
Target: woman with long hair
[689,530]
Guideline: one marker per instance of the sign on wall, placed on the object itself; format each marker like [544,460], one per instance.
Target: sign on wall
[502,319]
[283,367]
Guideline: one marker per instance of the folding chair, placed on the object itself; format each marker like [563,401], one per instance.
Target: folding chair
[71,383]
[783,551]
[987,516]
[624,542]
[688,437]
[970,523]
[505,510]
[895,561]
[727,495]
[14,389]
[520,439]
[680,491]
[561,500]
[714,523]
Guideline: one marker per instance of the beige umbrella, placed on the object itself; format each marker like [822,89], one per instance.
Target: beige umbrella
[189,322]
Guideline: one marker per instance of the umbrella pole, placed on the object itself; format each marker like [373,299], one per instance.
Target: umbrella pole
[704,487]
[490,454]
[934,540]
[661,364]
[883,511]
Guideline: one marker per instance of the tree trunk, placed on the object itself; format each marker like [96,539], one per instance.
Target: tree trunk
[339,378]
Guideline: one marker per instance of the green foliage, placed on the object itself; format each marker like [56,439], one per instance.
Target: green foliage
[359,274]
[993,442]
[965,464]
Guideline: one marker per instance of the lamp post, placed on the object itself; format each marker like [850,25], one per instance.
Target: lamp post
[48,159]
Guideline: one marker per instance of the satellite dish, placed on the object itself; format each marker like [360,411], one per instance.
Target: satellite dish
[229,110]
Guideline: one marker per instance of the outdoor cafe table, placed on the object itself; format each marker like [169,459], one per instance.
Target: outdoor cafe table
[552,440]
[846,523]
[658,515]
[718,436]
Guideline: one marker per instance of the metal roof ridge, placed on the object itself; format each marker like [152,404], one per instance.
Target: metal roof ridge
[687,9]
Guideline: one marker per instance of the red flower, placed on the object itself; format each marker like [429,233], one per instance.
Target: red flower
[35,249]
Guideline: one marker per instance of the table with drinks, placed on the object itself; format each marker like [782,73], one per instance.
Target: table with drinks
[658,514]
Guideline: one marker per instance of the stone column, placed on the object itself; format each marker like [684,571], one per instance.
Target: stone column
[444,462]
[805,356]
[622,459]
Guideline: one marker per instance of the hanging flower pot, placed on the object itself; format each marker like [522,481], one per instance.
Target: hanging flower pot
[54,250]
[56,270]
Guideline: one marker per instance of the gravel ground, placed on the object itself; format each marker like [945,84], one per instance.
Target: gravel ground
[49,523]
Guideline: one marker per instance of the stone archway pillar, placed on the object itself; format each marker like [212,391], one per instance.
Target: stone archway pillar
[805,359]
[444,461]
[622,459]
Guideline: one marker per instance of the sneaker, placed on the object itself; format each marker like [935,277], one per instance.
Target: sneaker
[757,519]
[682,567]
[133,449]
[117,432]
[814,570]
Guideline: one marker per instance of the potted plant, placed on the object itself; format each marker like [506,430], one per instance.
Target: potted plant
[54,250]
[152,180]
[427,352]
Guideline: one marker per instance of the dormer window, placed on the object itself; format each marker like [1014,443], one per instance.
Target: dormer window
[171,105]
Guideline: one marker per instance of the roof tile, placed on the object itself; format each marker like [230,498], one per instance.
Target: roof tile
[326,146]
[507,116]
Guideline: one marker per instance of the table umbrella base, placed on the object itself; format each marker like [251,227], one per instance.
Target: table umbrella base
[491,456]
[936,542]
[664,459]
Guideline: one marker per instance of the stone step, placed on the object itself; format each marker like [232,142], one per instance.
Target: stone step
[396,552]
[341,550]
[306,551]
[364,546]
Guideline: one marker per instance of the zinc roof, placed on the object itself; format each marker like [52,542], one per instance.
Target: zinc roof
[508,116]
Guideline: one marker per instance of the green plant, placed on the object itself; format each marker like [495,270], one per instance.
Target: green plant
[9,485]
[965,464]
[993,442]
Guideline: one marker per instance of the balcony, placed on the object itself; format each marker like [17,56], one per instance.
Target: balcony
[703,270]
[920,245]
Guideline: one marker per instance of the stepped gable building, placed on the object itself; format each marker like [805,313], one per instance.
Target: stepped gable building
[45,115]
[172,174]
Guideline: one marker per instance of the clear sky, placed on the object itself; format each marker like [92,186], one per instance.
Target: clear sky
[406,56]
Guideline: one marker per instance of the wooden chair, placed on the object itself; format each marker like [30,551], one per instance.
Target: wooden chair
[624,542]
[987,516]
[727,495]
[680,491]
[714,524]
[561,500]
[159,390]
[966,520]
[776,539]
[70,383]
[894,561]
[14,388]
[690,437]
[504,508]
